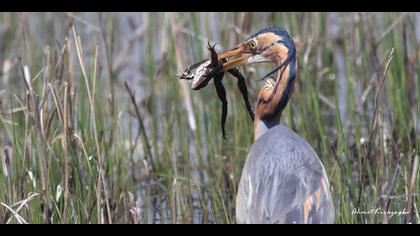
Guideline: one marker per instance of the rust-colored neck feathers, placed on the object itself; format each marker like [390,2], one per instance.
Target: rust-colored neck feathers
[275,94]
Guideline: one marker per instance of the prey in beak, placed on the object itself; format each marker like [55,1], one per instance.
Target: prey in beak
[201,73]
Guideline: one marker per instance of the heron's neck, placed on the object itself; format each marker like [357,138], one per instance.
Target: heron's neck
[273,98]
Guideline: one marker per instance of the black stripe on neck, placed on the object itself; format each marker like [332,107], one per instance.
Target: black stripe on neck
[291,62]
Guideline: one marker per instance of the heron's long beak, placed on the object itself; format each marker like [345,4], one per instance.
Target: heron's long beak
[238,56]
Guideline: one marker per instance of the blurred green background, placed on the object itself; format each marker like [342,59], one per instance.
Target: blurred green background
[97,128]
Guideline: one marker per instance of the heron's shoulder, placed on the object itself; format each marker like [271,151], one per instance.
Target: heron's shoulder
[280,139]
[281,131]
[283,149]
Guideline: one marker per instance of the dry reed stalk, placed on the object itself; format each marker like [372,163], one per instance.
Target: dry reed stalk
[65,152]
[181,65]
[173,202]
[409,219]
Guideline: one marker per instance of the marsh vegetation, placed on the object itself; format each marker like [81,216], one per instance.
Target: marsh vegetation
[95,126]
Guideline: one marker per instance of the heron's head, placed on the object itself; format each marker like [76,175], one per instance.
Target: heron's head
[271,45]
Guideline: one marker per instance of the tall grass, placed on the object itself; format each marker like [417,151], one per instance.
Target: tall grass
[96,127]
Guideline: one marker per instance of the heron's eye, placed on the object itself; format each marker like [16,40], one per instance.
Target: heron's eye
[253,44]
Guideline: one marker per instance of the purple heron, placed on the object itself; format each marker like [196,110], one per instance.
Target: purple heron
[283,180]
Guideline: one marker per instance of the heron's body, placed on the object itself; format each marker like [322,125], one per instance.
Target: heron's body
[283,181]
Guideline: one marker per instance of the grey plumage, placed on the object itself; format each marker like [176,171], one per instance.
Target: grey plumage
[282,171]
